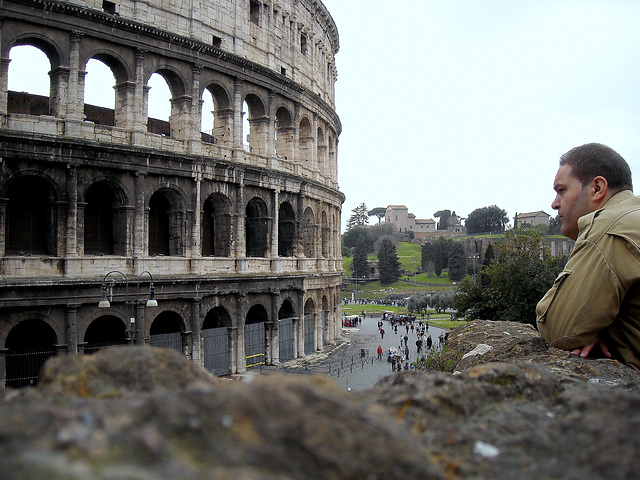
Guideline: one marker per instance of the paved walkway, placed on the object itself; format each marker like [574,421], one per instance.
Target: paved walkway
[345,357]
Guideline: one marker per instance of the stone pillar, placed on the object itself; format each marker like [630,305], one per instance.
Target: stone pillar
[237,115]
[72,211]
[314,148]
[75,94]
[275,331]
[240,240]
[58,93]
[193,136]
[72,329]
[139,230]
[196,340]
[241,361]
[295,148]
[140,96]
[195,247]
[299,331]
[274,225]
[270,146]
[3,227]
[4,83]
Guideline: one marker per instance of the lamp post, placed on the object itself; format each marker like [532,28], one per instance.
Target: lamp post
[107,288]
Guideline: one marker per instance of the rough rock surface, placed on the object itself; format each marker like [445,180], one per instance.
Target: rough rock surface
[514,409]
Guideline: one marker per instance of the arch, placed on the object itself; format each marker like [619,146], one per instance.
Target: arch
[322,151]
[309,332]
[305,140]
[31,217]
[284,133]
[102,107]
[166,331]
[216,226]
[31,66]
[28,346]
[309,233]
[286,230]
[255,345]
[217,317]
[257,228]
[166,218]
[215,341]
[325,234]
[104,331]
[287,309]
[257,123]
[101,226]
[222,127]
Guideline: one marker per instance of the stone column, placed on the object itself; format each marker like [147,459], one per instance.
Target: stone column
[140,96]
[270,146]
[237,115]
[274,351]
[299,331]
[72,211]
[139,230]
[274,226]
[241,361]
[75,94]
[196,344]
[3,227]
[72,330]
[4,84]
[195,247]
[240,240]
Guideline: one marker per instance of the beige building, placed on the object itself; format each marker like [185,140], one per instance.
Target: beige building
[532,218]
[400,218]
[234,231]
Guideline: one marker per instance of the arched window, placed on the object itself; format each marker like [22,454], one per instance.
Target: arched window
[159,243]
[309,233]
[216,226]
[99,220]
[257,228]
[286,230]
[30,217]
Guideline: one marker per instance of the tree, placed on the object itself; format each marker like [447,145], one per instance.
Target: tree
[554,226]
[441,254]
[427,252]
[515,282]
[359,217]
[487,219]
[444,216]
[388,262]
[350,238]
[457,262]
[379,212]
[360,264]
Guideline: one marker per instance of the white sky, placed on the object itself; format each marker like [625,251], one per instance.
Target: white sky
[463,104]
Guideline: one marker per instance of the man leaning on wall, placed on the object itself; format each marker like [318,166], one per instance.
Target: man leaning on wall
[593,307]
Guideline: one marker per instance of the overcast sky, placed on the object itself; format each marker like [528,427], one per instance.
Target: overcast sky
[463,104]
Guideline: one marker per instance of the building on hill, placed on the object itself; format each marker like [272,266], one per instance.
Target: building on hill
[116,228]
[532,218]
[404,221]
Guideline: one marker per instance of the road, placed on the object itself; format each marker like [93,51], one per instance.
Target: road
[354,375]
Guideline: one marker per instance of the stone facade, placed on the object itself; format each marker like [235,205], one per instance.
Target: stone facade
[230,237]
[400,218]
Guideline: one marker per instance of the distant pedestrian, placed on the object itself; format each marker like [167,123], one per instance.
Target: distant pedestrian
[413,328]
[382,333]
[406,339]
[429,342]
[379,352]
[406,353]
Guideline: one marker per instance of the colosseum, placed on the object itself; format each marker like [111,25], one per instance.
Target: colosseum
[118,228]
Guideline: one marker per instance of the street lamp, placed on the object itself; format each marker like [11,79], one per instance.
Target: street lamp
[131,303]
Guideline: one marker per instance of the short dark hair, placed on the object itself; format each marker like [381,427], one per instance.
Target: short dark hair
[594,159]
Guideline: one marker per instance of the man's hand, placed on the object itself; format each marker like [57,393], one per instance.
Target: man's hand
[598,347]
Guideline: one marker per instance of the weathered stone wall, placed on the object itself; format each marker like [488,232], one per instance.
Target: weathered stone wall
[514,408]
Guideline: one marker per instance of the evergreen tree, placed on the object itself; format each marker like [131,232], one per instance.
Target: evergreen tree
[427,258]
[388,262]
[441,254]
[360,264]
[359,217]
[457,262]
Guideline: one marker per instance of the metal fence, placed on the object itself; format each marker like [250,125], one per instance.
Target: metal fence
[254,345]
[215,343]
[23,365]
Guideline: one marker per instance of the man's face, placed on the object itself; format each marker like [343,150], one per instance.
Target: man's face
[571,202]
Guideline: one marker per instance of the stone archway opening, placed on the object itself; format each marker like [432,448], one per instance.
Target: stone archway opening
[28,346]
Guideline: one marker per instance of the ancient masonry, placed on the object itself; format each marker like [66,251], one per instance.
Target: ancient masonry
[235,233]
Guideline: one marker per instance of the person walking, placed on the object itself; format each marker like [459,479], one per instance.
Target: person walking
[406,353]
[406,339]
[429,342]
[381,333]
[379,352]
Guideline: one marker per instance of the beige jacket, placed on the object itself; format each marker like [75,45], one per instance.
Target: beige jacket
[598,292]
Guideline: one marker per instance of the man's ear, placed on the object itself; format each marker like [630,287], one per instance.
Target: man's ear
[600,189]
